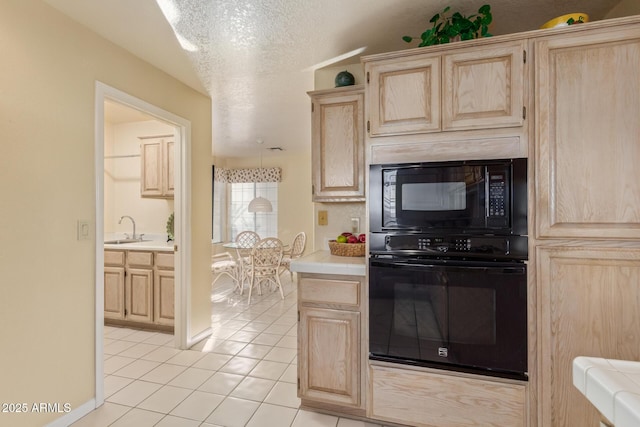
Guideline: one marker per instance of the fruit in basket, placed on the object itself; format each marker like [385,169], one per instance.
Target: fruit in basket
[346,234]
[352,239]
[362,238]
[341,239]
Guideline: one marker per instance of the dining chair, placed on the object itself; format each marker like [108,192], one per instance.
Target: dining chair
[265,264]
[245,240]
[297,248]
[224,264]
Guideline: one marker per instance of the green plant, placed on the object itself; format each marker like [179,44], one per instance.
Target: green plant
[445,28]
[572,21]
[170,227]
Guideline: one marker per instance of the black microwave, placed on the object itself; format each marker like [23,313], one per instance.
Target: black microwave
[477,197]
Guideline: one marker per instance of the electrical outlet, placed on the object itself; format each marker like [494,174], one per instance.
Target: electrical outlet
[323,218]
[355,225]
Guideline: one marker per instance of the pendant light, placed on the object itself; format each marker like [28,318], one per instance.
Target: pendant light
[260,204]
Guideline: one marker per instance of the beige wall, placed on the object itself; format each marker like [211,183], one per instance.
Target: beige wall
[122,180]
[47,87]
[295,209]
[325,78]
[624,8]
[339,220]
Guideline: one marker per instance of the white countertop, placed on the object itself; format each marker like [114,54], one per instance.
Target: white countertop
[322,262]
[150,245]
[612,386]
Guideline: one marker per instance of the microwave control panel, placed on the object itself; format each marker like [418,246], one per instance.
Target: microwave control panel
[497,197]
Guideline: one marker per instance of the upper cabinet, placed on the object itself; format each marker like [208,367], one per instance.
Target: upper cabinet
[587,135]
[337,151]
[403,95]
[157,166]
[448,102]
[484,88]
[473,88]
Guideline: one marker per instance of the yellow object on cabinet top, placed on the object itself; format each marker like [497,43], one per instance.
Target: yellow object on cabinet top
[561,21]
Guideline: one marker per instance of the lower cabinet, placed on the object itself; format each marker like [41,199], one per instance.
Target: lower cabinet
[139,287]
[138,292]
[163,289]
[330,353]
[589,305]
[113,292]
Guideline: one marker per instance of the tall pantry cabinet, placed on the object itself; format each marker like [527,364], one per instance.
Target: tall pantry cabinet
[587,208]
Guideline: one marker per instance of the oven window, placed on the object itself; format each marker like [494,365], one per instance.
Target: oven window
[419,311]
[472,318]
[434,196]
[460,315]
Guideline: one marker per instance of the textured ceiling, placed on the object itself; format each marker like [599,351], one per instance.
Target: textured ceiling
[256,58]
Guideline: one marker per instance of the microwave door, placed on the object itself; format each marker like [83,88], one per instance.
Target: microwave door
[449,197]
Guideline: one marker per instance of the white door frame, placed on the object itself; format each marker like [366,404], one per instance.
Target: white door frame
[182,231]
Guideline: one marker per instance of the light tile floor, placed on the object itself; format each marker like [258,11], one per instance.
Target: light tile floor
[243,375]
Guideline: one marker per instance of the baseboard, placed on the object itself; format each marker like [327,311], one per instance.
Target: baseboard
[73,416]
[197,338]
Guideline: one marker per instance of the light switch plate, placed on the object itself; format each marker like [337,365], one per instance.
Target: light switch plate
[83,230]
[323,218]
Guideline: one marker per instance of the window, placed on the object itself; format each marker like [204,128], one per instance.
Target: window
[240,219]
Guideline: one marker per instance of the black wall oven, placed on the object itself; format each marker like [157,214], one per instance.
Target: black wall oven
[447,266]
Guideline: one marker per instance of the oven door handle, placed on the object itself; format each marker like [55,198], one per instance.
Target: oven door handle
[490,268]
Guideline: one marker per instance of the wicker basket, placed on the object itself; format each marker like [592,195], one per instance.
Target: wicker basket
[346,249]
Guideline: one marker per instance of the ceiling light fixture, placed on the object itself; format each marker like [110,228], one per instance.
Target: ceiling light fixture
[260,204]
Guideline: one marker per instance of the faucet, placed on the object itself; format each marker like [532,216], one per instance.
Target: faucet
[132,222]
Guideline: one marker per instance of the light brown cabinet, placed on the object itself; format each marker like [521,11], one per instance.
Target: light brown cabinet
[586,206]
[157,168]
[403,95]
[589,305]
[114,273]
[330,346]
[337,147]
[164,289]
[588,105]
[139,287]
[476,88]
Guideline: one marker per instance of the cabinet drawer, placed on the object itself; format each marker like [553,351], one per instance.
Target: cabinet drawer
[113,258]
[326,291]
[164,260]
[140,258]
[426,399]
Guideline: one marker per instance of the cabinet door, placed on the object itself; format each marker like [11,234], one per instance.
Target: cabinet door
[329,354]
[589,305]
[403,96]
[139,295]
[151,169]
[337,148]
[587,109]
[484,87]
[114,292]
[163,297]
[168,168]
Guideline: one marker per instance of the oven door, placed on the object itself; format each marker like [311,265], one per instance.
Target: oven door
[459,315]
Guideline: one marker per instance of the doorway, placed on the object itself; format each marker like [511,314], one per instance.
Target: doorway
[181,132]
